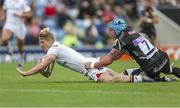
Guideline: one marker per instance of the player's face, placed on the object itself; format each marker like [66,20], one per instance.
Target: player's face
[44,44]
[111,32]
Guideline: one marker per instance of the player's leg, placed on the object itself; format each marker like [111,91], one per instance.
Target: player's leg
[112,73]
[163,65]
[104,77]
[6,35]
[20,34]
[133,71]
[135,76]
[20,44]
[149,76]
[132,78]
[168,69]
[111,76]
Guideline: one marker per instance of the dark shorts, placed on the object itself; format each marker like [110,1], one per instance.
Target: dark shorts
[162,65]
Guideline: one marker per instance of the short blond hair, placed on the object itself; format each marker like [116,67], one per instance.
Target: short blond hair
[45,33]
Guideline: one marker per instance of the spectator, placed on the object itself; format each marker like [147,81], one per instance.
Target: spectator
[50,9]
[33,32]
[70,39]
[90,39]
[14,13]
[132,8]
[147,21]
[86,9]
[62,16]
[107,16]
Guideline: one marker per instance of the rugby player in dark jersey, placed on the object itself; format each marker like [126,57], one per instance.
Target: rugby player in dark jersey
[152,61]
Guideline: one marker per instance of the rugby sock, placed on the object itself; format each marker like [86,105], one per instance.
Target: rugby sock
[10,47]
[128,71]
[140,78]
[10,51]
[133,71]
[22,59]
[9,56]
[135,78]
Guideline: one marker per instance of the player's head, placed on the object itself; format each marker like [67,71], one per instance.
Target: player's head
[46,34]
[46,39]
[118,25]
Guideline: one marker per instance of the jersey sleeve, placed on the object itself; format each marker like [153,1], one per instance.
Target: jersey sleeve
[53,51]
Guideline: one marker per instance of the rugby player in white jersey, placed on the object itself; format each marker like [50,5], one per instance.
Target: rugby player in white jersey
[71,59]
[14,13]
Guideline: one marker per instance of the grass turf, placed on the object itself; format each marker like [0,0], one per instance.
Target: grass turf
[66,88]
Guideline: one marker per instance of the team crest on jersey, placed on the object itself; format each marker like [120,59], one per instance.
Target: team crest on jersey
[117,44]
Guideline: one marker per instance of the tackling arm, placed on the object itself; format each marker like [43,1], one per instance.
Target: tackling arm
[39,67]
[105,60]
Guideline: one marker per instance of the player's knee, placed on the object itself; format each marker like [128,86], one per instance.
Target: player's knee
[109,80]
[4,42]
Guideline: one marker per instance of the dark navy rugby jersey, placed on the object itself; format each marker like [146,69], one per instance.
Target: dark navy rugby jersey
[138,47]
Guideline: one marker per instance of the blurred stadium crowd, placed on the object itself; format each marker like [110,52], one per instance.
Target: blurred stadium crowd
[81,23]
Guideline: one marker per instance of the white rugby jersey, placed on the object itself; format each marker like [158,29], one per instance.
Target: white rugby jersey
[68,57]
[15,6]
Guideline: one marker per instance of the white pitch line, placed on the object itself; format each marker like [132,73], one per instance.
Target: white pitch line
[91,92]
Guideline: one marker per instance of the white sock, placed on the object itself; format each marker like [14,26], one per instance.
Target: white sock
[137,79]
[22,59]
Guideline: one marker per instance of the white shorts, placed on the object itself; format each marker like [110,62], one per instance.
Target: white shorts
[94,74]
[19,30]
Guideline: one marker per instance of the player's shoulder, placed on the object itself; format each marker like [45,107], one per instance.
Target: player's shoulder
[130,36]
[56,46]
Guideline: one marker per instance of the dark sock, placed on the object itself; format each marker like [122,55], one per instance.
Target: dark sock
[132,78]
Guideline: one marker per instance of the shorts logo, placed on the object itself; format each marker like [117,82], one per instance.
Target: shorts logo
[157,69]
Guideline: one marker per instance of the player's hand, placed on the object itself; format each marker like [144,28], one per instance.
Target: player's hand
[17,15]
[21,72]
[88,65]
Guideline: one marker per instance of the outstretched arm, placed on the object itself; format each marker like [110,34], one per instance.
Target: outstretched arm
[105,60]
[39,67]
[24,15]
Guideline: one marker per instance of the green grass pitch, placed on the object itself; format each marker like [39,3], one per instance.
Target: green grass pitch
[66,88]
